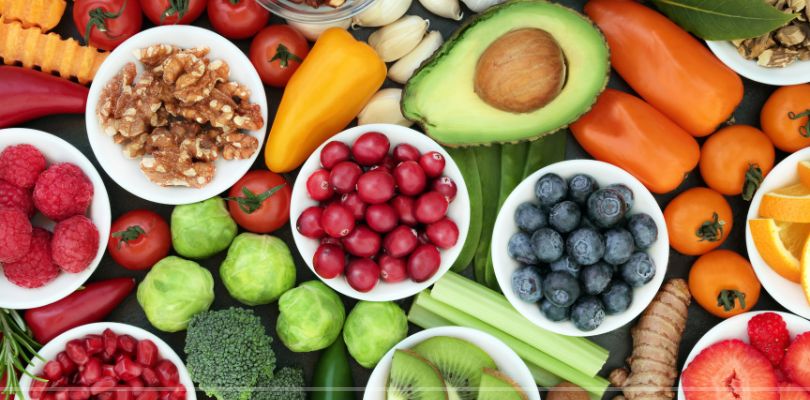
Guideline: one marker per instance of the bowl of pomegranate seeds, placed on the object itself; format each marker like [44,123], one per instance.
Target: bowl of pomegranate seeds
[381,212]
[108,360]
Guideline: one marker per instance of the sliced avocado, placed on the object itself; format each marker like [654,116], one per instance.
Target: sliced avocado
[495,385]
[446,97]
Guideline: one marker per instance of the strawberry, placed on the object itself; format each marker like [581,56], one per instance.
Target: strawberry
[730,370]
[796,364]
[792,391]
[768,333]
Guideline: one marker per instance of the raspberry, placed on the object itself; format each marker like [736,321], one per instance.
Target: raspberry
[20,165]
[768,333]
[75,243]
[15,235]
[62,191]
[16,197]
[37,267]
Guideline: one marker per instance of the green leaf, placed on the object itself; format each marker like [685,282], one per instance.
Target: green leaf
[724,19]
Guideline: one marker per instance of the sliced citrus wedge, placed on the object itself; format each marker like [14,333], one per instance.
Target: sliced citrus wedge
[803,168]
[781,244]
[788,204]
[805,270]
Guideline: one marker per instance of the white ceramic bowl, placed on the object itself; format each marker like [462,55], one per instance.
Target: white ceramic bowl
[793,74]
[736,327]
[57,345]
[57,150]
[507,361]
[125,172]
[459,211]
[604,174]
[787,293]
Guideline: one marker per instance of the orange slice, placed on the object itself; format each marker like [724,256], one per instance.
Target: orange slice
[803,168]
[805,270]
[781,245]
[788,204]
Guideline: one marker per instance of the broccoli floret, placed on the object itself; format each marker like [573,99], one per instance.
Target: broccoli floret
[228,353]
[287,384]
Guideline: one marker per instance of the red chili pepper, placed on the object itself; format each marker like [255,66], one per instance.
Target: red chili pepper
[91,304]
[28,94]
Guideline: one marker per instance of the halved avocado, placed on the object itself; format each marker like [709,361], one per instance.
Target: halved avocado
[446,96]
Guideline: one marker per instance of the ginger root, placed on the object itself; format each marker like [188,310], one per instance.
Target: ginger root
[656,339]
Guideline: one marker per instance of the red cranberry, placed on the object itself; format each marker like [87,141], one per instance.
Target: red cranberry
[392,269]
[446,187]
[423,238]
[318,186]
[443,233]
[406,152]
[370,148]
[110,343]
[344,176]
[424,262]
[76,352]
[405,207]
[353,202]
[309,223]
[329,261]
[362,274]
[92,371]
[430,207]
[410,178]
[362,242]
[94,344]
[331,240]
[68,366]
[127,343]
[433,163]
[400,242]
[389,162]
[127,369]
[333,153]
[52,370]
[375,187]
[147,353]
[381,217]
[337,220]
[167,373]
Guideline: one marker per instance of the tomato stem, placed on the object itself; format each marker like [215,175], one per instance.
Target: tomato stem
[131,233]
[753,178]
[179,7]
[803,130]
[98,18]
[726,299]
[251,201]
[712,230]
[284,56]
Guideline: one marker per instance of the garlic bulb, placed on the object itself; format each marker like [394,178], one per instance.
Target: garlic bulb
[381,13]
[444,8]
[403,69]
[383,108]
[313,31]
[481,5]
[394,41]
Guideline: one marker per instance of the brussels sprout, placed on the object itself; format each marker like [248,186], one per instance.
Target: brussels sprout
[372,329]
[258,269]
[173,291]
[202,229]
[310,317]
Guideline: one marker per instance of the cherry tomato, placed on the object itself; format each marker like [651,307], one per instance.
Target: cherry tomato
[785,117]
[724,283]
[698,220]
[139,239]
[168,12]
[107,23]
[276,52]
[237,19]
[736,159]
[260,201]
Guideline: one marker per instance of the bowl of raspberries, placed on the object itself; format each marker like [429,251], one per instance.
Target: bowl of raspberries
[54,218]
[580,247]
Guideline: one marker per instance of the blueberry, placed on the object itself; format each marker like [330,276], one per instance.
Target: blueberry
[553,312]
[520,248]
[564,216]
[530,217]
[619,246]
[595,278]
[638,270]
[580,186]
[643,229]
[561,289]
[586,222]
[625,192]
[585,246]
[588,313]
[617,297]
[606,208]
[547,244]
[527,284]
[565,264]
[550,189]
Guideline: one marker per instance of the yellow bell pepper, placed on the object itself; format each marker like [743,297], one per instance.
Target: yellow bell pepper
[330,88]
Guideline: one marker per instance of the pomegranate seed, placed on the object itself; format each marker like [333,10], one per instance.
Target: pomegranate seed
[406,152]
[333,153]
[37,388]
[127,369]
[150,378]
[446,187]
[362,274]
[381,217]
[147,353]
[433,164]
[309,222]
[179,392]
[92,371]
[123,394]
[344,176]
[329,261]
[318,186]
[136,384]
[370,148]
[127,343]
[94,344]
[362,242]
[58,383]
[424,262]
[52,370]
[167,373]
[61,395]
[410,178]
[108,370]
[68,366]
[76,352]
[148,395]
[400,242]
[103,385]
[430,207]
[354,204]
[337,220]
[79,393]
[375,187]
[405,207]
[443,233]
[105,396]
[392,269]
[110,342]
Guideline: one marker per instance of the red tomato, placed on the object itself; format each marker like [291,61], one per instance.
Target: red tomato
[260,201]
[139,239]
[237,19]
[276,52]
[107,23]
[168,12]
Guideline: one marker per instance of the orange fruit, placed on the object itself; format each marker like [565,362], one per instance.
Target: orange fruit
[805,270]
[781,245]
[803,168]
[788,204]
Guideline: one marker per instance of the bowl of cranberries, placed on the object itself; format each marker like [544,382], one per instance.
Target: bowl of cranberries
[107,361]
[381,212]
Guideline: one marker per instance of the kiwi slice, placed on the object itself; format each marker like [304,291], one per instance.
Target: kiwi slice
[495,385]
[414,378]
[460,362]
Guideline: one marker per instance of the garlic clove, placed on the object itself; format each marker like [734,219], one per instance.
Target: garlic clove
[381,13]
[481,5]
[403,69]
[313,31]
[444,8]
[394,41]
[383,108]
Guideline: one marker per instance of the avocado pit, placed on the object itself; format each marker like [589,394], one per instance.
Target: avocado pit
[521,71]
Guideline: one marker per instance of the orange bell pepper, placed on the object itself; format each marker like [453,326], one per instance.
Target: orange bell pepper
[624,130]
[332,85]
[668,67]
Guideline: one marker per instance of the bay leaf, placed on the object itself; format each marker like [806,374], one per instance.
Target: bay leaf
[724,19]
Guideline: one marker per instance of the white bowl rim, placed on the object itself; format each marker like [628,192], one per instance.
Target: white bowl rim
[794,74]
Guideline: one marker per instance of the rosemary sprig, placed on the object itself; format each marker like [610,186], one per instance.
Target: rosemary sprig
[17,349]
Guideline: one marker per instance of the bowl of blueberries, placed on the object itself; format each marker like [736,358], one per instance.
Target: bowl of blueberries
[580,248]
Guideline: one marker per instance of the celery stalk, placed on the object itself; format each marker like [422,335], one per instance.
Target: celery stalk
[542,377]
